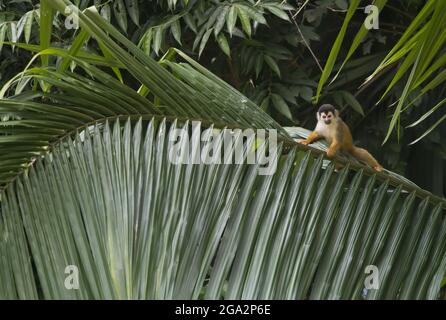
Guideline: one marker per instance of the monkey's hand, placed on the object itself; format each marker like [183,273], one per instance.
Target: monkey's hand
[333,149]
[331,153]
[314,136]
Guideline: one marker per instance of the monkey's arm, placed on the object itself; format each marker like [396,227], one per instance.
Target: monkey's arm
[314,136]
[333,149]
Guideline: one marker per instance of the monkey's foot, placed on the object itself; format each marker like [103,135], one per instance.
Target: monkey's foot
[378,168]
[303,141]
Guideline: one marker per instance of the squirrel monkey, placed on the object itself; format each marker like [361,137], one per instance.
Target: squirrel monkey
[331,128]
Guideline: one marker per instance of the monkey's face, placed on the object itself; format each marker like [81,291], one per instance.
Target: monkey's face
[326,116]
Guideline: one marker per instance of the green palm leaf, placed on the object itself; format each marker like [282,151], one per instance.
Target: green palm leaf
[87,181]
[139,226]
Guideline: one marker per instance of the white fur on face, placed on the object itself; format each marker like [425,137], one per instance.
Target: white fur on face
[326,116]
[328,131]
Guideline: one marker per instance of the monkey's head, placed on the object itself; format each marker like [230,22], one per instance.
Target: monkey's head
[327,113]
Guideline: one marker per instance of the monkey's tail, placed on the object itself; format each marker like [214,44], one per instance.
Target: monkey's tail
[363,155]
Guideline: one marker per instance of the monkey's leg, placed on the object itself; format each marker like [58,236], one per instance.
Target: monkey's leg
[314,136]
[333,149]
[363,155]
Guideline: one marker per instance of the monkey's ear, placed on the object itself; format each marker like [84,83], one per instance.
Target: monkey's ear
[336,113]
[318,116]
